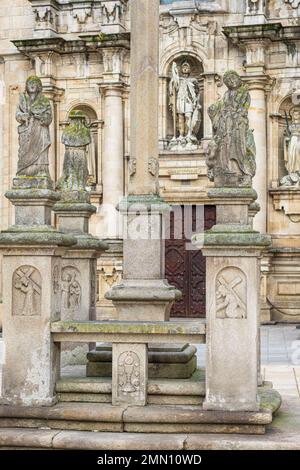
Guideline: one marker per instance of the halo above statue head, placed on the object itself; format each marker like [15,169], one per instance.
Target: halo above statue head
[186,65]
[35,79]
[232,79]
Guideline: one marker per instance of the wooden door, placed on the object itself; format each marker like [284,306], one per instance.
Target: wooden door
[184,267]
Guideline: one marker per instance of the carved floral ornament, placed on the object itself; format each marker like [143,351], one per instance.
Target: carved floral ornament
[294,3]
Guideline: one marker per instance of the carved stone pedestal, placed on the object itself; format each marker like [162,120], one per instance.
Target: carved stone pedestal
[143,294]
[79,268]
[233,252]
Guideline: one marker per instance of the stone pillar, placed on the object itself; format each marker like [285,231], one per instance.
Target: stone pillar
[113,157]
[258,122]
[144,294]
[32,252]
[233,252]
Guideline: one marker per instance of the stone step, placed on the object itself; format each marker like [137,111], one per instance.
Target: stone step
[152,418]
[99,390]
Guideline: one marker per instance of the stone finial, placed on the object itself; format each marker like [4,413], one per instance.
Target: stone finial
[231,153]
[34,115]
[76,137]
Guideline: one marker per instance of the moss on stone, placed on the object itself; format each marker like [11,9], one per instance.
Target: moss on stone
[270,400]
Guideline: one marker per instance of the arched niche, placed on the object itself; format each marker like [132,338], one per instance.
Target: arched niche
[93,148]
[168,118]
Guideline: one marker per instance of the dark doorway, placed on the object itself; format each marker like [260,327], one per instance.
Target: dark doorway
[184,267]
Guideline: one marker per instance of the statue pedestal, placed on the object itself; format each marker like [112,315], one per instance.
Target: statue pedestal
[79,268]
[233,251]
[143,294]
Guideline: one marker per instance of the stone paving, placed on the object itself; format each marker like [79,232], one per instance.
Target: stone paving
[280,365]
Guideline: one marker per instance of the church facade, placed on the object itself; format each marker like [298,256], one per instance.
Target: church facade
[81,52]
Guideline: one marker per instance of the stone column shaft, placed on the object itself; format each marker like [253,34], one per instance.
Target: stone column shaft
[144,96]
[257,120]
[113,155]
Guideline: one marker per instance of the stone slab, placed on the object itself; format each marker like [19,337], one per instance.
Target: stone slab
[194,428]
[129,374]
[168,371]
[157,353]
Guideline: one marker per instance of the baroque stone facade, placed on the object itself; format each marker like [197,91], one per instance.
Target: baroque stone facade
[81,52]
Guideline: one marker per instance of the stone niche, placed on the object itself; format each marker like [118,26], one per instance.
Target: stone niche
[196,71]
[285,190]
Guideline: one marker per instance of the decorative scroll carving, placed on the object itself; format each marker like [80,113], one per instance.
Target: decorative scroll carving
[294,3]
[71,289]
[153,166]
[128,372]
[231,294]
[27,291]
[132,166]
[113,11]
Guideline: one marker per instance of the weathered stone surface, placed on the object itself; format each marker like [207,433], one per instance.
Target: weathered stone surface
[34,115]
[129,374]
[231,153]
[194,428]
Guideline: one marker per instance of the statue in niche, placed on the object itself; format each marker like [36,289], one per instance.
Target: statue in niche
[231,153]
[34,115]
[184,96]
[292,149]
[76,137]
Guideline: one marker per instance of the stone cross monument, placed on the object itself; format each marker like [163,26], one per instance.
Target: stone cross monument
[144,294]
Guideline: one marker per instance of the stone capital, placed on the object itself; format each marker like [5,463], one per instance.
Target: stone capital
[112,88]
[259,82]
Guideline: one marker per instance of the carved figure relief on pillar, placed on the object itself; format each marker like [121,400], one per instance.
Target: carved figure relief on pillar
[185,104]
[231,153]
[231,294]
[128,373]
[34,115]
[70,290]
[292,149]
[27,291]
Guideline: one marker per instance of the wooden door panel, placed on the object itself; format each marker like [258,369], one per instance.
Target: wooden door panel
[185,269]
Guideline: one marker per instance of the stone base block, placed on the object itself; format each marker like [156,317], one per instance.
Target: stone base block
[171,362]
[161,419]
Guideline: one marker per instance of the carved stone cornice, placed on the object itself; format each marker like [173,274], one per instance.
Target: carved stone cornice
[90,43]
[239,34]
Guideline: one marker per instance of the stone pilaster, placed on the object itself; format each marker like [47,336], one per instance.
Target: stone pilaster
[233,250]
[32,261]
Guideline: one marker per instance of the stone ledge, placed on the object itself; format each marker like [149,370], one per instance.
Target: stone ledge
[11,438]
[136,328]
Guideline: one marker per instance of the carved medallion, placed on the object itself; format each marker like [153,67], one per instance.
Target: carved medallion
[231,294]
[128,372]
[27,291]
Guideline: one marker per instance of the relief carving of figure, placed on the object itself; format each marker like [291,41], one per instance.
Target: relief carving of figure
[71,290]
[184,96]
[76,137]
[231,302]
[292,149]
[27,298]
[231,153]
[34,115]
